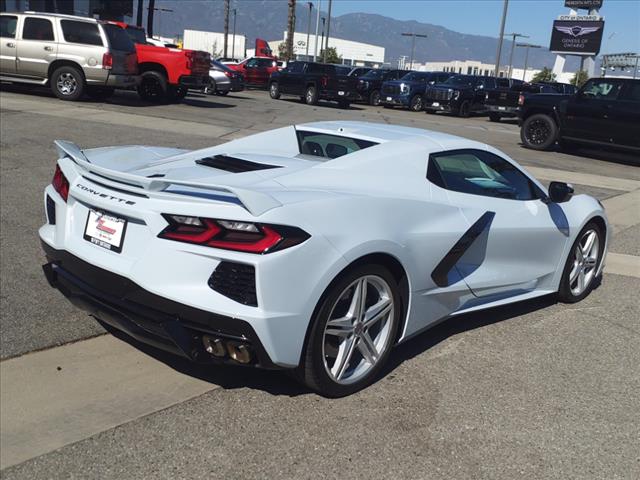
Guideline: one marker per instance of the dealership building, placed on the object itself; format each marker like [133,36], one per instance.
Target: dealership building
[352,53]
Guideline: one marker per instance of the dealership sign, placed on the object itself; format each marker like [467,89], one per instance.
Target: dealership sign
[585,4]
[576,37]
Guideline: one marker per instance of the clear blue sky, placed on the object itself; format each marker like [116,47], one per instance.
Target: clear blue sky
[482,17]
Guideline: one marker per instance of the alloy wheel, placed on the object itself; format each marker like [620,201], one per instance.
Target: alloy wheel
[538,132]
[67,84]
[359,328]
[585,262]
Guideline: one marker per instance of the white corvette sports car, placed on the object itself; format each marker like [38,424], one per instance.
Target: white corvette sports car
[314,247]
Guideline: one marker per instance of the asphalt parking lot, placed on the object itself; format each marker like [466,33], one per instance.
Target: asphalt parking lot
[534,390]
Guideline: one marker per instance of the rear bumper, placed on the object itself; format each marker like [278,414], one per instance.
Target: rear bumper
[194,81]
[504,111]
[122,81]
[147,317]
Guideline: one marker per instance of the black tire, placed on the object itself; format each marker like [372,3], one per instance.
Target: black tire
[222,93]
[68,83]
[565,293]
[100,93]
[153,87]
[494,117]
[464,110]
[274,90]
[343,104]
[539,132]
[415,105]
[311,95]
[312,371]
[374,98]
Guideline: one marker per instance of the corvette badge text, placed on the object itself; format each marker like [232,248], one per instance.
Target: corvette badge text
[104,195]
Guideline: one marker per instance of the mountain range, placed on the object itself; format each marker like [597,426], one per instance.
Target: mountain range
[267,19]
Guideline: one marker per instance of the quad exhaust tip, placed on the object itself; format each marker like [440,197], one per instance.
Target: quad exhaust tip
[238,351]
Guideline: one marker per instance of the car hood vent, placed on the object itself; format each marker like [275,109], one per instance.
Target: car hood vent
[233,165]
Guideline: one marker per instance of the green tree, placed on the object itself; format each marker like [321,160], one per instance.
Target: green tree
[282,51]
[544,75]
[580,78]
[332,55]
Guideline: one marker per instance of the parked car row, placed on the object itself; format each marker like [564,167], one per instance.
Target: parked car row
[80,55]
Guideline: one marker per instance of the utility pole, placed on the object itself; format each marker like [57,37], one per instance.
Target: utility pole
[139,13]
[513,36]
[500,38]
[322,40]
[291,26]
[413,44]
[308,29]
[151,8]
[226,28]
[233,44]
[326,44]
[526,56]
[315,44]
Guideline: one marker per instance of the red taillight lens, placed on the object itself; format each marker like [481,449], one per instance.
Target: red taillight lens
[189,56]
[324,80]
[107,61]
[229,74]
[521,99]
[232,235]
[60,183]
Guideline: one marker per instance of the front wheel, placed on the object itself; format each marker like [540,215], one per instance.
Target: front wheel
[465,110]
[579,275]
[374,98]
[353,331]
[311,95]
[67,83]
[416,103]
[274,90]
[539,132]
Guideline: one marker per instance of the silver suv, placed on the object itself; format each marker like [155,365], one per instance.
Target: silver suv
[74,55]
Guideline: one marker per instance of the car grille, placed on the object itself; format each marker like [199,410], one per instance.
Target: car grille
[236,281]
[391,89]
[434,94]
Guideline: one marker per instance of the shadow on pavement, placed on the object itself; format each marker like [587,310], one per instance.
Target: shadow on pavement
[280,383]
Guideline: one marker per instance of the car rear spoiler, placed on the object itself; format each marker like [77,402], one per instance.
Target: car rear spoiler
[253,201]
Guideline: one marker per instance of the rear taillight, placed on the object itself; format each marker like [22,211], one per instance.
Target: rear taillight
[60,183]
[521,99]
[229,74]
[232,235]
[189,55]
[324,80]
[107,61]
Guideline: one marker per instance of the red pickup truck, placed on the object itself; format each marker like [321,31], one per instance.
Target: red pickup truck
[167,73]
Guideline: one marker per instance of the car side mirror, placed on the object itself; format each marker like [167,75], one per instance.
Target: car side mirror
[560,192]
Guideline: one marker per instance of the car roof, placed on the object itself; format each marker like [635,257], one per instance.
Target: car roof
[56,15]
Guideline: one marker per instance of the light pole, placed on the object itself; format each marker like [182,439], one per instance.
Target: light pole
[233,44]
[322,39]
[326,44]
[526,56]
[500,38]
[413,44]
[309,28]
[514,37]
[315,44]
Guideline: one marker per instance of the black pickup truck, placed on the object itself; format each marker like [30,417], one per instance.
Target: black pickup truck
[312,82]
[460,95]
[506,102]
[604,112]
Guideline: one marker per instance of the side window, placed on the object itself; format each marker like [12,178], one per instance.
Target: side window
[8,26]
[295,67]
[601,89]
[81,32]
[478,172]
[265,63]
[632,92]
[37,29]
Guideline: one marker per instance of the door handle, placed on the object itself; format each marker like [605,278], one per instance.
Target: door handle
[11,45]
[49,49]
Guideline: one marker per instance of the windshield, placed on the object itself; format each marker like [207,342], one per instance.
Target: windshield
[137,35]
[373,74]
[460,80]
[414,77]
[118,39]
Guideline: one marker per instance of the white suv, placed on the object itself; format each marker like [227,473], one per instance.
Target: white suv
[74,55]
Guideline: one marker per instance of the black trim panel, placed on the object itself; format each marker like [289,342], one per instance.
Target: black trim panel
[233,165]
[440,274]
[149,318]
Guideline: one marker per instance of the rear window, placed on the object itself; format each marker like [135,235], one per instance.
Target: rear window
[265,62]
[329,146]
[81,32]
[137,35]
[295,67]
[118,38]
[37,29]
